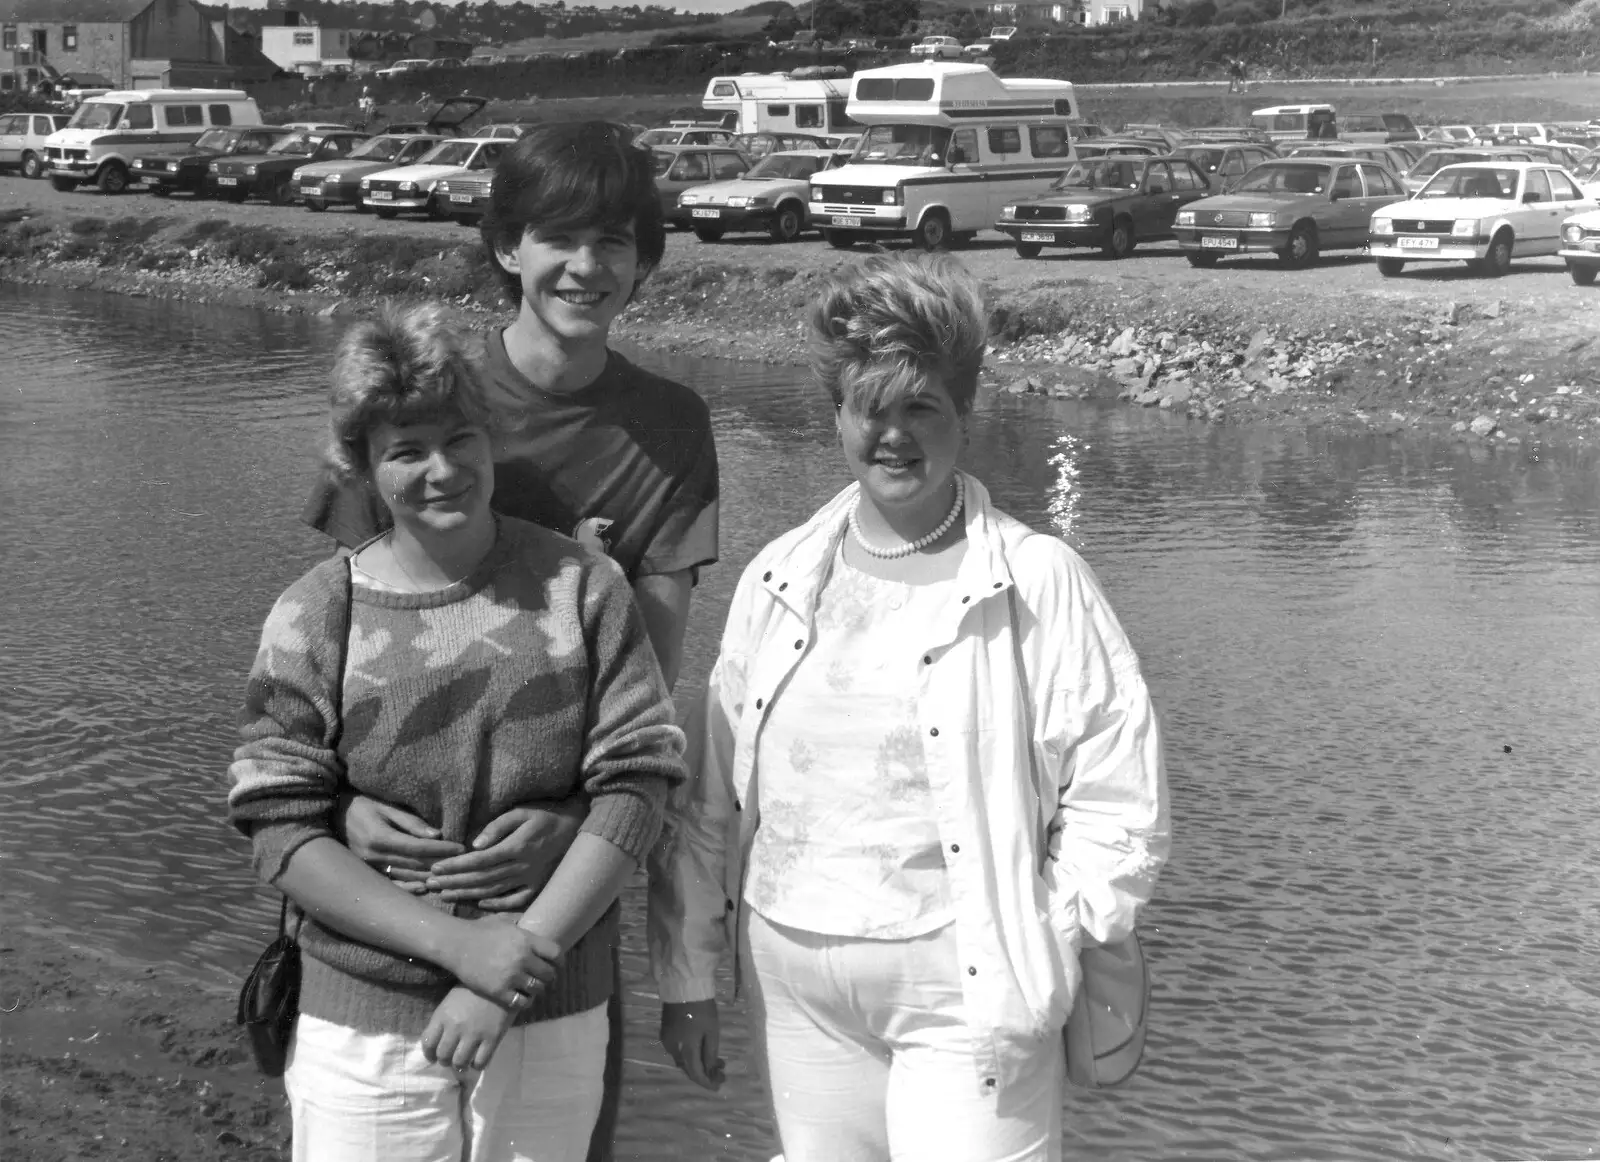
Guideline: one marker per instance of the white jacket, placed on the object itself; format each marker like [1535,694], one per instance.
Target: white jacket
[1038,854]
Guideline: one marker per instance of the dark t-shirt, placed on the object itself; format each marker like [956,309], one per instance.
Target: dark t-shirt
[626,464]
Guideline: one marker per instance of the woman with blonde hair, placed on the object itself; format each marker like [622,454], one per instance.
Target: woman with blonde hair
[931,773]
[456,665]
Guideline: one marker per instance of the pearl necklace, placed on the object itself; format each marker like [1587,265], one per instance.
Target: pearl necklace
[910,547]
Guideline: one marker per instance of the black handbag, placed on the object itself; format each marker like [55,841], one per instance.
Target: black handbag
[269,1002]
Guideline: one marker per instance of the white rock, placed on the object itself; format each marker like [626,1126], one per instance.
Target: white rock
[1482,425]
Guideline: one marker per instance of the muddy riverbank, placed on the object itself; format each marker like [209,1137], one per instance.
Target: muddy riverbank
[1510,359]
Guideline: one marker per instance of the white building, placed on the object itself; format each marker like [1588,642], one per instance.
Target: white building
[294,45]
[1071,12]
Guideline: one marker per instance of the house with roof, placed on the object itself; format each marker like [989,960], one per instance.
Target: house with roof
[1070,12]
[134,44]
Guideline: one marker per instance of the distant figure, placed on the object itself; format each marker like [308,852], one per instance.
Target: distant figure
[1236,76]
[424,101]
[366,105]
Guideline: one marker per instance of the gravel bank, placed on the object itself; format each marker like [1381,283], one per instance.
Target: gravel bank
[1511,359]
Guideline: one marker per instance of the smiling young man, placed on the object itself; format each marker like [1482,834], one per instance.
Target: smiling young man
[596,448]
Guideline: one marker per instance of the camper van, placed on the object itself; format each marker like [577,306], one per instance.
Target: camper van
[780,103]
[945,147]
[107,132]
[1295,122]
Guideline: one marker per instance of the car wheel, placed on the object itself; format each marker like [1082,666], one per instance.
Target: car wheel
[363,208]
[316,205]
[1498,260]
[1121,242]
[32,167]
[386,215]
[1583,275]
[839,239]
[1201,260]
[1029,250]
[113,179]
[1301,250]
[933,232]
[786,224]
[282,192]
[1389,267]
[708,233]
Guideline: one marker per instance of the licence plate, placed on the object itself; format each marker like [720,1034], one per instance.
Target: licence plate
[705,213]
[1036,236]
[461,197]
[227,181]
[841,220]
[382,196]
[1419,244]
[310,189]
[1218,242]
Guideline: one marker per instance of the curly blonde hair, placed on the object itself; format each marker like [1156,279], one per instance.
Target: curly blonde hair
[404,367]
[881,328]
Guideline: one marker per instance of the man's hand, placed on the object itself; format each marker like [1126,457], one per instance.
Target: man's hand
[465,1030]
[390,839]
[691,1034]
[511,858]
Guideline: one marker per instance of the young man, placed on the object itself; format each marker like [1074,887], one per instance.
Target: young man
[614,456]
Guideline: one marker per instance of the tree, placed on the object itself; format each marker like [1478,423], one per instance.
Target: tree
[965,25]
[888,17]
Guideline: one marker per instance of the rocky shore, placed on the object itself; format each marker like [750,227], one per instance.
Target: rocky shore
[1500,361]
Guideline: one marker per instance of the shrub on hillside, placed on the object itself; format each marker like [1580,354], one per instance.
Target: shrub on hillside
[1246,11]
[1196,14]
[1584,16]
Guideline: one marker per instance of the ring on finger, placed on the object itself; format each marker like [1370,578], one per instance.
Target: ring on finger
[388,868]
[518,1001]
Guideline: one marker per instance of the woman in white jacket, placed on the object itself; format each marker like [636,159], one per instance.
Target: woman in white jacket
[931,771]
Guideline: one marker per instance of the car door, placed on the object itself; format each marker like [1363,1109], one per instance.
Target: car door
[1189,185]
[1538,224]
[11,133]
[1569,198]
[1347,216]
[1156,203]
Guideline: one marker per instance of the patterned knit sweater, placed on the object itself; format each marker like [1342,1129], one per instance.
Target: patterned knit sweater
[524,682]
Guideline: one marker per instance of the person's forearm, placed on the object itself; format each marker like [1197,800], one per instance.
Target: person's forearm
[586,883]
[338,890]
[663,600]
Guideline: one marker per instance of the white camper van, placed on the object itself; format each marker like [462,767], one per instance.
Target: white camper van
[109,131]
[945,147]
[779,103]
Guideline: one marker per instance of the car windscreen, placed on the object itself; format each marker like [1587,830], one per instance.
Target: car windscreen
[1588,167]
[95,115]
[1431,163]
[1472,181]
[1207,159]
[378,149]
[1304,180]
[215,140]
[296,145]
[1109,173]
[449,153]
[911,145]
[777,168]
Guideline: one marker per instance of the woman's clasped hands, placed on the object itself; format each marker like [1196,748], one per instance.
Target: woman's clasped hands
[501,968]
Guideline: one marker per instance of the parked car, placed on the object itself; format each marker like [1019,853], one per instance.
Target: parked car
[338,183]
[1396,161]
[1377,128]
[1415,151]
[1296,208]
[978,49]
[1107,146]
[445,119]
[677,167]
[1113,203]
[184,167]
[937,48]
[316,126]
[1224,163]
[270,175]
[508,130]
[1168,138]
[1420,174]
[401,68]
[758,145]
[22,140]
[412,187]
[774,196]
[1580,246]
[1231,133]
[1566,156]
[1527,130]
[1480,213]
[651,138]
[1461,134]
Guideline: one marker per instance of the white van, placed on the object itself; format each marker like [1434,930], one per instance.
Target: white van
[779,103]
[945,147]
[1296,122]
[107,132]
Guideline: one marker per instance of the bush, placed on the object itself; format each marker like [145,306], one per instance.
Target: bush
[284,272]
[1197,14]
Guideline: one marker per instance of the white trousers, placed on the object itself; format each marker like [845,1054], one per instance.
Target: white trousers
[373,1097]
[869,1057]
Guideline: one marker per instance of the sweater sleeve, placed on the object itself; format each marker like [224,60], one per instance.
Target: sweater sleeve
[286,771]
[633,750]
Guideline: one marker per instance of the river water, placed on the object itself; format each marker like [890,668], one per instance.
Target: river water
[1378,663]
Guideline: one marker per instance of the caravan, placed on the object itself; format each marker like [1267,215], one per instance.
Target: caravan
[946,146]
[781,103]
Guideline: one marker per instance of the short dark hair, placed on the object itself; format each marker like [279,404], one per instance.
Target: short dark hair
[574,174]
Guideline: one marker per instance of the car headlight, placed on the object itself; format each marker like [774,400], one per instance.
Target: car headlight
[738,200]
[891,197]
[172,167]
[408,187]
[1572,232]
[212,168]
[1185,218]
[1262,221]
[366,183]
[1077,213]
[1464,228]
[442,187]
[688,199]
[249,171]
[816,193]
[332,177]
[1383,225]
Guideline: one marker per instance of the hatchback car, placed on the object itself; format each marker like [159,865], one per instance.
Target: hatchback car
[755,146]
[1295,208]
[1377,128]
[338,183]
[773,197]
[1118,146]
[1396,161]
[1224,163]
[22,140]
[270,175]
[678,167]
[185,167]
[1422,172]
[1113,203]
[1480,213]
[937,48]
[412,187]
[653,138]
[1580,247]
